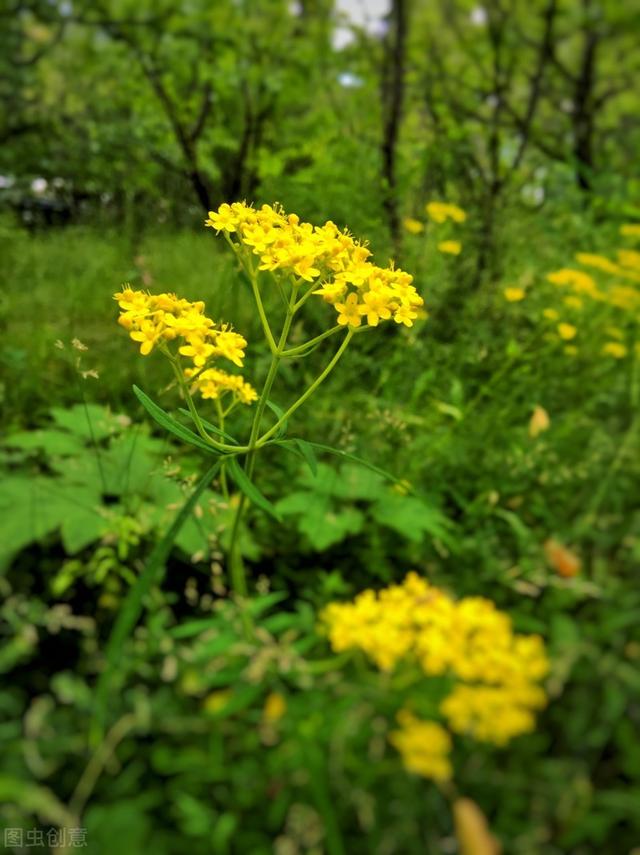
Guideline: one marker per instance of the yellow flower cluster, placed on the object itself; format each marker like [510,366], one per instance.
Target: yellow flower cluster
[424,746]
[470,640]
[325,256]
[153,320]
[493,713]
[212,383]
[583,287]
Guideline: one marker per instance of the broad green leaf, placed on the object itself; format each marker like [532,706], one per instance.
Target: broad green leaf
[52,442]
[412,518]
[91,422]
[319,521]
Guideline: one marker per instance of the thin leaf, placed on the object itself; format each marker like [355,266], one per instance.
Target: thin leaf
[346,456]
[309,455]
[282,430]
[170,424]
[301,449]
[133,604]
[250,490]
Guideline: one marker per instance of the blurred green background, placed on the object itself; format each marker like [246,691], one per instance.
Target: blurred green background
[121,125]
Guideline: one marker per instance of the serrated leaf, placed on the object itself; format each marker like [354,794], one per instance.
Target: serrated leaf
[412,518]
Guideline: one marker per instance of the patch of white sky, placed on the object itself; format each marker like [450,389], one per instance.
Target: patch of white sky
[368,14]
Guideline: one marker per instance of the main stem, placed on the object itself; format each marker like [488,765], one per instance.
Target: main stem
[236,564]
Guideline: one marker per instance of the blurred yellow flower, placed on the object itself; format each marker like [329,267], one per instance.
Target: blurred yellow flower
[216,701]
[424,746]
[629,258]
[451,247]
[573,302]
[630,230]
[571,350]
[551,314]
[567,331]
[275,707]
[539,421]
[513,294]
[615,349]
[440,212]
[580,281]
[414,227]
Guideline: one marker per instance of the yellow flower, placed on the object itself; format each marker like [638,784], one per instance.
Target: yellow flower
[514,295]
[630,230]
[350,312]
[275,707]
[307,253]
[629,258]
[450,247]
[615,349]
[424,747]
[224,219]
[147,334]
[469,640]
[440,212]
[414,227]
[580,281]
[566,331]
[158,319]
[539,421]
[551,314]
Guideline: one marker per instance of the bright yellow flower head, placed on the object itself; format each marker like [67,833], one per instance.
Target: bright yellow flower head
[322,256]
[154,320]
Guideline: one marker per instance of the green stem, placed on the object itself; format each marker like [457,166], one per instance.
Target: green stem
[219,446]
[303,349]
[223,474]
[236,564]
[319,379]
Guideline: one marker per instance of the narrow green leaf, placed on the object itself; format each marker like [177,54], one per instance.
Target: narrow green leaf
[282,430]
[309,455]
[250,490]
[133,604]
[301,449]
[170,424]
[346,456]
